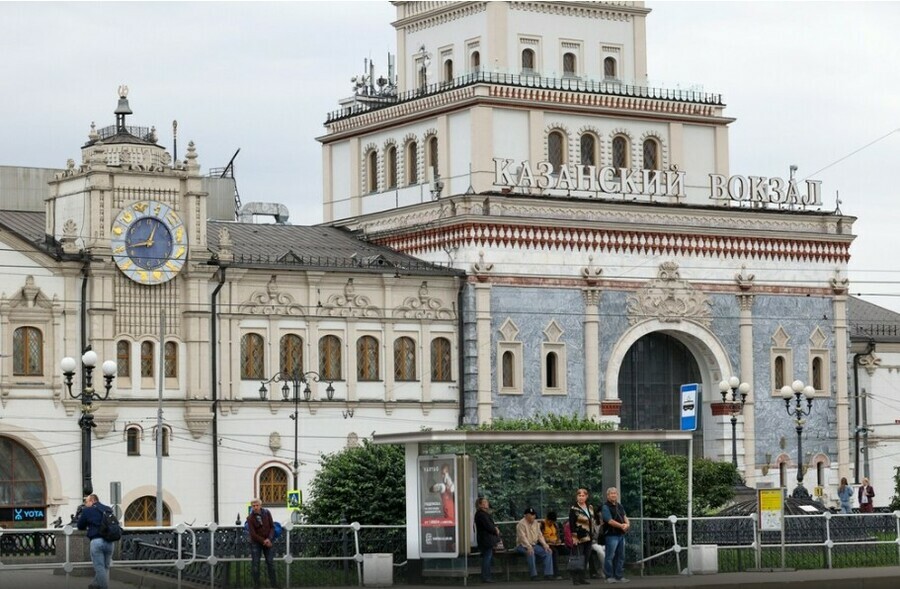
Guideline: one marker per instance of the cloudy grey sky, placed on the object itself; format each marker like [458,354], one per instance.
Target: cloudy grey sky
[808,82]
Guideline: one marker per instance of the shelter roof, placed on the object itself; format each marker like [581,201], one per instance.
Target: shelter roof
[532,436]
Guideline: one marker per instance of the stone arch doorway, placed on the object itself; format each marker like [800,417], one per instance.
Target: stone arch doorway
[712,362]
[142,512]
[23,492]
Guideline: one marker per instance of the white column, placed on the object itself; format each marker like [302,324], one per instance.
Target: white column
[841,378]
[591,352]
[746,375]
[483,342]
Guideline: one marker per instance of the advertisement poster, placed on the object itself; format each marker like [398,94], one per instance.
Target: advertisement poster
[438,506]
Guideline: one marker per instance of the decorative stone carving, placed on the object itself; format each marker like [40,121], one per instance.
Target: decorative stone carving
[226,253]
[743,279]
[481,268]
[870,362]
[30,296]
[193,166]
[274,442]
[839,285]
[669,299]
[780,338]
[591,296]
[271,302]
[69,235]
[509,331]
[349,304]
[423,307]
[590,273]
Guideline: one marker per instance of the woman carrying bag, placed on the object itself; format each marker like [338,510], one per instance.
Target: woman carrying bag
[581,516]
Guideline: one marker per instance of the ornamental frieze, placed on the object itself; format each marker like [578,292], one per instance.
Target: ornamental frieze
[271,302]
[669,299]
[423,306]
[348,304]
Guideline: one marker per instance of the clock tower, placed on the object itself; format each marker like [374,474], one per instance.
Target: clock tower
[137,218]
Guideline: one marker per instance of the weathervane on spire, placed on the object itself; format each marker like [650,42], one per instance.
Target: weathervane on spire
[123,91]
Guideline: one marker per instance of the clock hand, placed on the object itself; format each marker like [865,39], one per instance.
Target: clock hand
[149,241]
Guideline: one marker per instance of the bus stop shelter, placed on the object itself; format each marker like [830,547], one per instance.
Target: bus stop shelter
[610,442]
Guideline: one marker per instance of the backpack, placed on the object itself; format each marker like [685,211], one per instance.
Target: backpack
[567,536]
[110,529]
[275,524]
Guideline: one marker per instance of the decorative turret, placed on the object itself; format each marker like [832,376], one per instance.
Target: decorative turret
[122,109]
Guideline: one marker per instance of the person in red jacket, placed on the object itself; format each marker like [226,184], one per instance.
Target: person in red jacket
[262,537]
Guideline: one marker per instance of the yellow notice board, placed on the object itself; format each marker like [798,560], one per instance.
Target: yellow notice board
[771,509]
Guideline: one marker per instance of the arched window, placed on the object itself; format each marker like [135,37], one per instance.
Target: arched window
[142,512]
[123,358]
[508,366]
[291,354]
[782,474]
[21,481]
[817,374]
[171,360]
[412,163]
[552,371]
[651,154]
[448,70]
[133,440]
[475,61]
[441,368]
[820,473]
[390,167]
[570,65]
[273,486]
[372,171]
[330,357]
[779,373]
[148,357]
[588,150]
[166,435]
[252,357]
[556,149]
[404,359]
[431,156]
[28,352]
[609,68]
[527,61]
[367,358]
[619,152]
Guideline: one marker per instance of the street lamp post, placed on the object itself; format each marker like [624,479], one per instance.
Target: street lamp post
[294,386]
[730,390]
[87,397]
[798,390]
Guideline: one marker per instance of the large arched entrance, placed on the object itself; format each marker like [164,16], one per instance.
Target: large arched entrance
[652,372]
[23,493]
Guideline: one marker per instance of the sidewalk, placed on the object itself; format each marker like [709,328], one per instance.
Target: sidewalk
[45,579]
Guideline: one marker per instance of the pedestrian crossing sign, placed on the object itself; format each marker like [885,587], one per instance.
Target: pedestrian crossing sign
[294,500]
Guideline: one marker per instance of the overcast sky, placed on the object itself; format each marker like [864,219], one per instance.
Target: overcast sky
[808,82]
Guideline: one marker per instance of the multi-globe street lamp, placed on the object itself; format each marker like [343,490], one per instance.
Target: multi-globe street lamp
[295,388]
[798,391]
[87,397]
[730,390]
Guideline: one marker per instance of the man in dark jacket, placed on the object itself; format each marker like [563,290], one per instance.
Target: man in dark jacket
[90,518]
[488,536]
[262,536]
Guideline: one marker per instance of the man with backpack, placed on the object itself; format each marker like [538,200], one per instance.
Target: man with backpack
[91,518]
[262,536]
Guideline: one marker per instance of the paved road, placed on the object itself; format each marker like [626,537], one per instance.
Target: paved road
[870,578]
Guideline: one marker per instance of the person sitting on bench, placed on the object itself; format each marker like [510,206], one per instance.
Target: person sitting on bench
[530,542]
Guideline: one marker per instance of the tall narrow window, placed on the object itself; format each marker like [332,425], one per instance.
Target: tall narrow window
[556,149]
[609,68]
[291,354]
[148,357]
[782,474]
[440,360]
[164,443]
[448,71]
[367,358]
[133,440]
[820,473]
[372,171]
[476,61]
[412,163]
[404,359]
[28,352]
[527,61]
[390,167]
[570,64]
[330,357]
[123,358]
[588,150]
[817,374]
[651,154]
[508,367]
[171,360]
[620,152]
[252,357]
[432,154]
[273,488]
[779,373]
[552,368]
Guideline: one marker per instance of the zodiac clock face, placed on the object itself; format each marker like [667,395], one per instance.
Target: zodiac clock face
[149,242]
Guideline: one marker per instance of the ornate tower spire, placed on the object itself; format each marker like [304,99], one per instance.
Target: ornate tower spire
[122,109]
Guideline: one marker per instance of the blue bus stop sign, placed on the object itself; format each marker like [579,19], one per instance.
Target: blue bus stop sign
[690,404]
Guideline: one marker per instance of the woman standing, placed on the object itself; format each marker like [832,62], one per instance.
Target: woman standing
[845,493]
[487,534]
[581,515]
